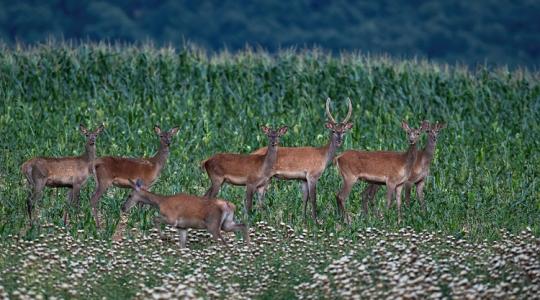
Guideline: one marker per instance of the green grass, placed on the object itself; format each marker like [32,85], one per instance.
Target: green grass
[484,177]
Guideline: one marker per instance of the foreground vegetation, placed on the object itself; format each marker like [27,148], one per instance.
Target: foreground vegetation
[484,177]
[280,263]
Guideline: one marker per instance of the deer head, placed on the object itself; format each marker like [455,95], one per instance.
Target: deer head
[338,129]
[165,137]
[91,135]
[413,134]
[274,135]
[433,130]
[136,196]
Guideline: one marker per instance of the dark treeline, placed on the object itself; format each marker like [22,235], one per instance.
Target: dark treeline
[471,32]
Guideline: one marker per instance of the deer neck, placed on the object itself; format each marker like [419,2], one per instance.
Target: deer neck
[410,156]
[429,150]
[269,159]
[151,199]
[89,154]
[330,149]
[161,156]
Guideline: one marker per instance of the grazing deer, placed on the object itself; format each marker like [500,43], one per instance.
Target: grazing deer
[186,211]
[308,163]
[383,167]
[420,170]
[117,171]
[70,172]
[251,170]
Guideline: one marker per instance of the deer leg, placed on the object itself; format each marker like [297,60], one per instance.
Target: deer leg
[420,193]
[305,194]
[73,201]
[39,185]
[157,221]
[100,189]
[343,195]
[250,190]
[229,226]
[366,196]
[214,229]
[370,197]
[389,194]
[183,237]
[214,187]
[69,202]
[261,191]
[408,187]
[312,185]
[374,189]
[398,201]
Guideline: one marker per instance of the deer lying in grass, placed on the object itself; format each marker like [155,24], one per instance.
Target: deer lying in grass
[420,169]
[390,168]
[308,163]
[186,211]
[117,171]
[70,172]
[251,170]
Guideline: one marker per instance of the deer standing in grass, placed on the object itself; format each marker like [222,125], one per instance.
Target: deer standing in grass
[186,211]
[117,171]
[308,163]
[251,170]
[70,172]
[420,170]
[380,167]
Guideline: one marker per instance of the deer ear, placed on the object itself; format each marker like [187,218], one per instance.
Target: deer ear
[132,183]
[283,130]
[405,126]
[329,125]
[265,129]
[83,129]
[138,184]
[99,129]
[174,131]
[442,125]
[348,125]
[157,129]
[425,125]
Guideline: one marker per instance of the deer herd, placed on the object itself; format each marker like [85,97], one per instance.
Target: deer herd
[396,170]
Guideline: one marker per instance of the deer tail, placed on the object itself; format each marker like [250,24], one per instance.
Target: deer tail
[26,170]
[203,164]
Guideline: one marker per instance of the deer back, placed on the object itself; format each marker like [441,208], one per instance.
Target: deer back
[120,169]
[297,161]
[372,165]
[191,211]
[240,165]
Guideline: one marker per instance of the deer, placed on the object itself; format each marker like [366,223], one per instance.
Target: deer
[185,211]
[420,170]
[379,167]
[69,172]
[307,164]
[251,170]
[116,171]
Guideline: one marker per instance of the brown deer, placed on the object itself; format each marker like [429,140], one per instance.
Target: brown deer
[420,170]
[390,168]
[186,211]
[70,172]
[251,170]
[308,163]
[117,171]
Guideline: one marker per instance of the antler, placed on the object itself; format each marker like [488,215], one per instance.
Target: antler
[348,113]
[328,111]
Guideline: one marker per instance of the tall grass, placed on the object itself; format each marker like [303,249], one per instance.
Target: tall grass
[484,175]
